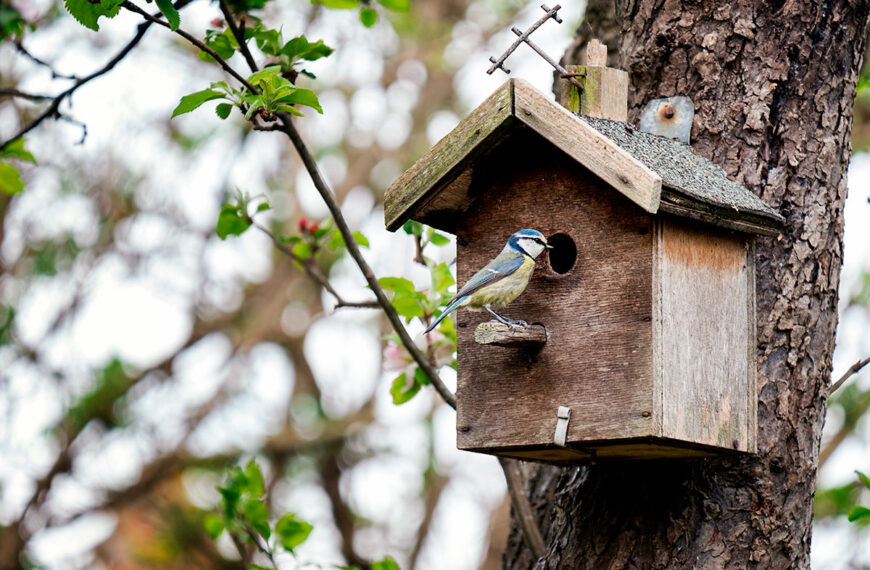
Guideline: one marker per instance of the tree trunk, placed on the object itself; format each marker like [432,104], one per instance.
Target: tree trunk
[773,85]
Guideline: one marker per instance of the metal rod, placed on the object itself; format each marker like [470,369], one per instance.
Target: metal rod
[564,72]
[550,13]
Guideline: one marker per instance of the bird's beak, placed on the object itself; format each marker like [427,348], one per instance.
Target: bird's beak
[548,246]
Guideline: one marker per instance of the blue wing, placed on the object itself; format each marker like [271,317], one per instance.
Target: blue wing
[489,274]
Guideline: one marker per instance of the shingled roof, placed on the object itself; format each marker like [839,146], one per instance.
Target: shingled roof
[656,173]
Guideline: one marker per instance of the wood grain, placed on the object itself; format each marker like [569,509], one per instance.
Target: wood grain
[707,380]
[597,359]
[495,333]
[584,144]
[444,162]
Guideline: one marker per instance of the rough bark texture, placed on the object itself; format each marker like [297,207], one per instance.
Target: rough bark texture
[773,85]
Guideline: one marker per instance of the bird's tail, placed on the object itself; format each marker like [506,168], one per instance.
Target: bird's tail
[447,311]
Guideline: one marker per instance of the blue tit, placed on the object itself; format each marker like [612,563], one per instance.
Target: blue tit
[503,279]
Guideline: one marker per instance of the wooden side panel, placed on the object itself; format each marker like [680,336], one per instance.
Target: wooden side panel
[707,312]
[597,359]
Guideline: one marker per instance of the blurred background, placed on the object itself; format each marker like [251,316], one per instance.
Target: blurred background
[141,355]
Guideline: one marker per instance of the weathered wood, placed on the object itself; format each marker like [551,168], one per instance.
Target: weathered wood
[587,146]
[444,161]
[596,53]
[707,381]
[496,333]
[437,188]
[597,360]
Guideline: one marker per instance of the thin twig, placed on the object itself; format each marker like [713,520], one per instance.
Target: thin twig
[239,35]
[54,74]
[313,271]
[23,95]
[127,5]
[326,194]
[522,507]
[854,369]
[52,110]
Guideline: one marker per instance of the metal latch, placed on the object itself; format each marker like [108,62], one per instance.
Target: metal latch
[563,416]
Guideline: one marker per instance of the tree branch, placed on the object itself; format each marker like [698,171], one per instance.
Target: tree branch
[239,34]
[53,110]
[854,369]
[287,127]
[314,272]
[522,507]
[23,95]
[54,74]
[127,5]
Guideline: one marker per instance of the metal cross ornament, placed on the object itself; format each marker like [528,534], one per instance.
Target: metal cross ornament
[524,37]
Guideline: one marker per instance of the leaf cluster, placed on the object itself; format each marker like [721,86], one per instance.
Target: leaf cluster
[244,514]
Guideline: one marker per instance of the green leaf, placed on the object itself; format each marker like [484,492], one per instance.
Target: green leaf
[269,41]
[190,102]
[386,564]
[438,239]
[408,306]
[214,525]
[231,222]
[10,179]
[420,377]
[360,239]
[16,149]
[858,513]
[255,479]
[87,14]
[441,277]
[401,391]
[223,110]
[291,531]
[263,206]
[397,284]
[368,17]
[337,4]
[413,228]
[170,12]
[264,74]
[302,250]
[396,5]
[864,479]
[300,48]
[305,97]
[257,515]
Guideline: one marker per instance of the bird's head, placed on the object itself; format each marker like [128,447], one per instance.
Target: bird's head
[529,242]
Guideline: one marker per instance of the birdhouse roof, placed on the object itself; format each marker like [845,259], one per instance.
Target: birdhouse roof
[656,173]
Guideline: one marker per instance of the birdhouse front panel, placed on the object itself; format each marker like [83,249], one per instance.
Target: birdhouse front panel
[597,309]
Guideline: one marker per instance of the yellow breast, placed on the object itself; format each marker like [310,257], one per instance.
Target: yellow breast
[505,290]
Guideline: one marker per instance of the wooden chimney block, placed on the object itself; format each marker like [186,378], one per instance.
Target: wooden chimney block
[646,304]
[605,89]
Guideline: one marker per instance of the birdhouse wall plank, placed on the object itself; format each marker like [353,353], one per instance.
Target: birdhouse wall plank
[705,333]
[598,356]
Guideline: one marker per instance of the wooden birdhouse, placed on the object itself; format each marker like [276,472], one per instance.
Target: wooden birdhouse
[647,299]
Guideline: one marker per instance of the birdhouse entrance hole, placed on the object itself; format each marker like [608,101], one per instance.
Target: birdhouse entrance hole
[564,253]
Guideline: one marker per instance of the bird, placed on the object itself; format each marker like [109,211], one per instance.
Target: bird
[501,280]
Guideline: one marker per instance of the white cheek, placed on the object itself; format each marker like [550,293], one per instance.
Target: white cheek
[532,247]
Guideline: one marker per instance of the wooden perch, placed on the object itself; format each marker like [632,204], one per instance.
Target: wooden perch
[515,336]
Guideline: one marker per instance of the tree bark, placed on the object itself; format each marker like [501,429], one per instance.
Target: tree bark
[773,84]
